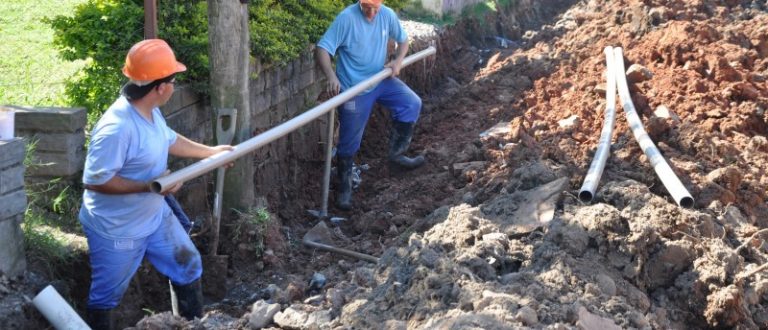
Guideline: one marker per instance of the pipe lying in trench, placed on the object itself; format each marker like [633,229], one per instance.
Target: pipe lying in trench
[587,191]
[161,184]
[57,311]
[670,180]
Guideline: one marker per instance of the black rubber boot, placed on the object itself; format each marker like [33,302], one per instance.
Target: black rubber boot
[399,142]
[190,299]
[344,172]
[101,319]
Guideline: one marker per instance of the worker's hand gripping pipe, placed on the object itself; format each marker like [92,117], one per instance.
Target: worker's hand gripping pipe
[587,191]
[670,180]
[161,184]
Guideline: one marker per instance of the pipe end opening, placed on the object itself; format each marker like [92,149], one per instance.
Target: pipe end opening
[585,196]
[155,187]
[686,202]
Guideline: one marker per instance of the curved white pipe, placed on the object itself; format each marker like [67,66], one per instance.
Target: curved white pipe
[57,311]
[587,191]
[670,180]
[199,168]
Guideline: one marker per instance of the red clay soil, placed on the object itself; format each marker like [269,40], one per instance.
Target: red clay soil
[490,234]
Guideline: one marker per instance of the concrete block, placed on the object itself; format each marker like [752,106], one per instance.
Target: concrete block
[12,152]
[55,142]
[183,122]
[277,76]
[257,84]
[280,93]
[182,98]
[50,119]
[11,178]
[12,259]
[261,102]
[292,69]
[58,164]
[307,78]
[271,76]
[260,121]
[308,61]
[12,204]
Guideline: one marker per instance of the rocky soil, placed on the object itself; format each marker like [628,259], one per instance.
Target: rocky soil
[491,233]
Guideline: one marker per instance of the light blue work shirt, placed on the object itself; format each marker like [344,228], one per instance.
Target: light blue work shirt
[124,143]
[361,46]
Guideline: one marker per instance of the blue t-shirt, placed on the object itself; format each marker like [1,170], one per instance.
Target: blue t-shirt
[126,144]
[361,46]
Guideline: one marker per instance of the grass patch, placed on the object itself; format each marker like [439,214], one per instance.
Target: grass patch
[47,244]
[53,236]
[250,228]
[415,11]
[31,71]
[481,9]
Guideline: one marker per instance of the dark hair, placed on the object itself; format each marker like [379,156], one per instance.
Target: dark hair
[132,91]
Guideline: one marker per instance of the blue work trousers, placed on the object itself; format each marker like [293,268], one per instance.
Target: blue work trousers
[114,262]
[403,104]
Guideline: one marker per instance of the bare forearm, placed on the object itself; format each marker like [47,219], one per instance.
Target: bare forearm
[402,50]
[324,59]
[186,148]
[118,185]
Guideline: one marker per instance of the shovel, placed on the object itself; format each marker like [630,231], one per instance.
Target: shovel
[216,265]
[319,237]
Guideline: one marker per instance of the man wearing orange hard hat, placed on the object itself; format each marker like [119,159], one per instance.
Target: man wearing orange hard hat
[123,220]
[358,38]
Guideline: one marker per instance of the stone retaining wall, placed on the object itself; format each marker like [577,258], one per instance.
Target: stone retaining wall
[13,203]
[278,94]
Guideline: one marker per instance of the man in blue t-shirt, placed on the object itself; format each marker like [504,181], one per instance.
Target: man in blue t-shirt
[358,38]
[122,219]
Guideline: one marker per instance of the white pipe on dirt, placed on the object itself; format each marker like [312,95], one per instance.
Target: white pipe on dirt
[57,311]
[587,191]
[159,185]
[668,177]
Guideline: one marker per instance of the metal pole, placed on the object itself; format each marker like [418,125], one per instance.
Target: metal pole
[150,19]
[201,167]
[328,155]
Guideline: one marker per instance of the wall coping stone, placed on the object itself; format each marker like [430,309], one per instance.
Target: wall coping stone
[50,119]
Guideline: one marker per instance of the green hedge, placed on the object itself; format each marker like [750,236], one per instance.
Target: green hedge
[102,31]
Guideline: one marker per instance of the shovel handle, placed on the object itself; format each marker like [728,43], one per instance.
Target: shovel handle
[225,136]
[217,201]
[345,252]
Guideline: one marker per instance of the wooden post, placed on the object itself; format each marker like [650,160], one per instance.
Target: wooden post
[229,53]
[150,19]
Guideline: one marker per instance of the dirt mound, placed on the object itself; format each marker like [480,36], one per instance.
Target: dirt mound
[510,133]
[490,234]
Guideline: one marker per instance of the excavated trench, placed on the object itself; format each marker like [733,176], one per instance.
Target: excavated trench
[491,233]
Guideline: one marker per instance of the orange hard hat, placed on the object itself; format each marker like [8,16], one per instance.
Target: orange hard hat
[151,59]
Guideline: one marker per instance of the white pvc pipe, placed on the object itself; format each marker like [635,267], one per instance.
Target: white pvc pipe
[159,185]
[595,171]
[57,311]
[670,180]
